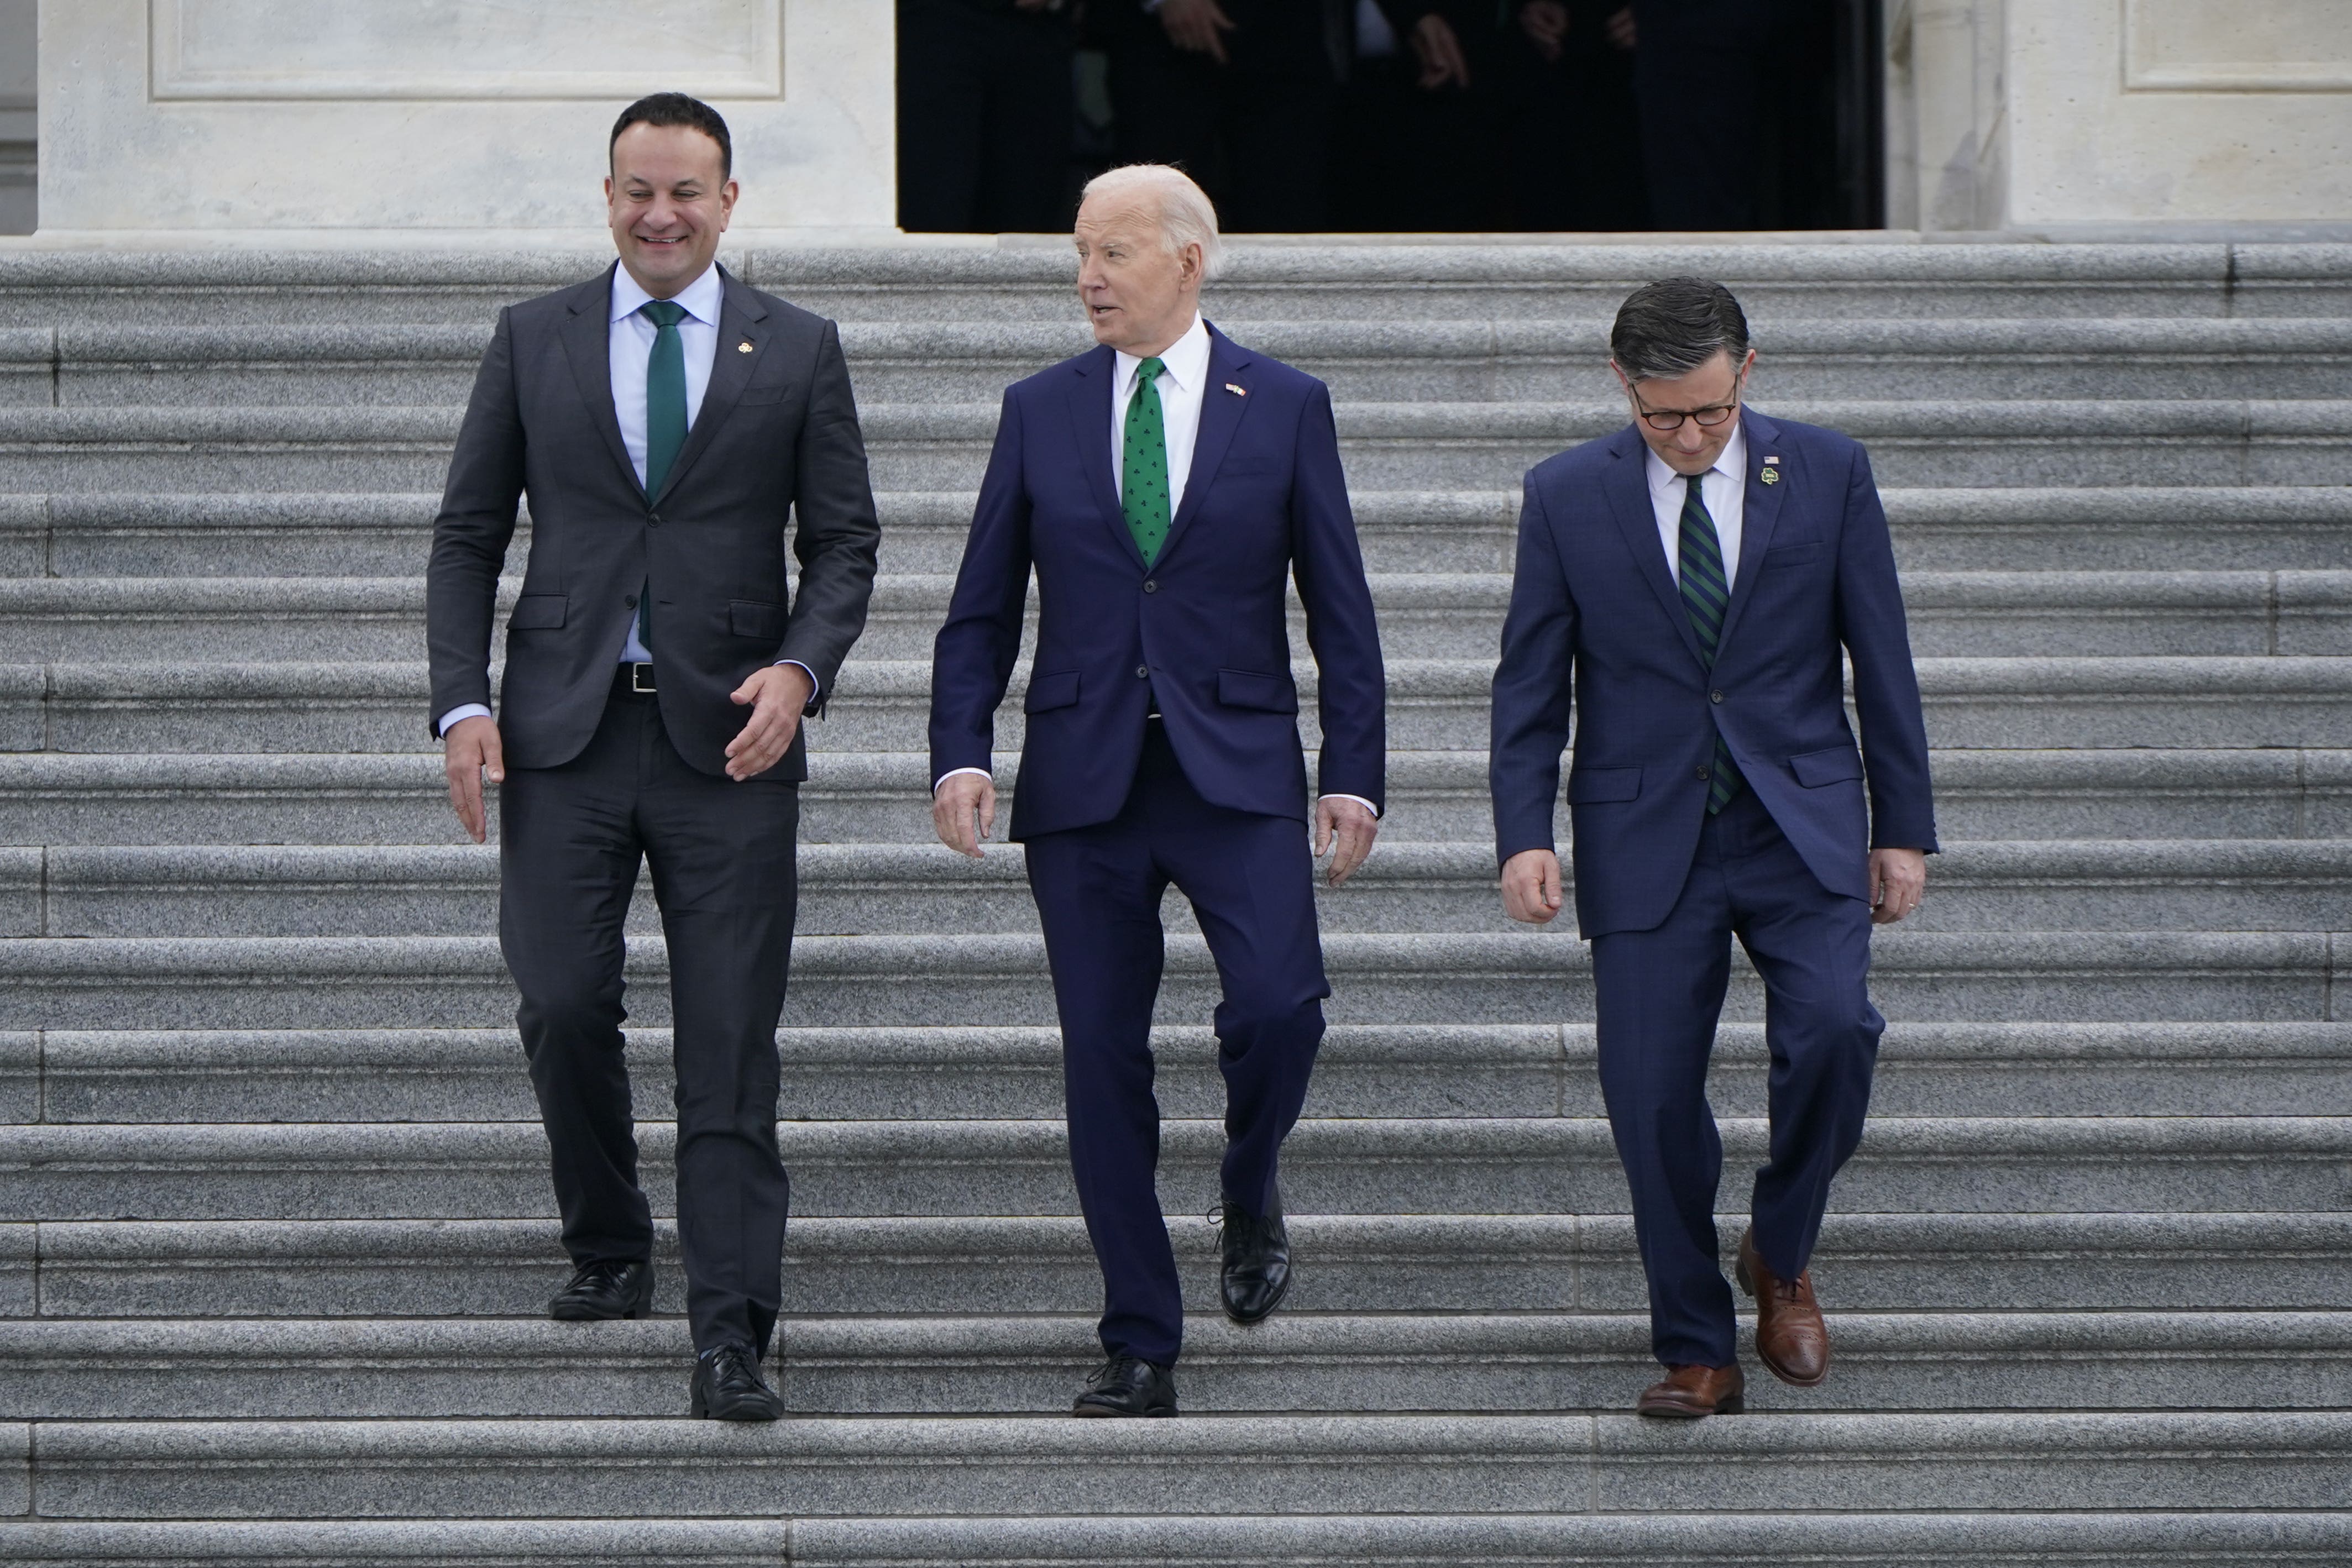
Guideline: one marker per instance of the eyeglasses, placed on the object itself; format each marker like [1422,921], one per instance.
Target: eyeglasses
[1708,418]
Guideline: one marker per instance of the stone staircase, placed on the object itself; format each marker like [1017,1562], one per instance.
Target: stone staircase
[275,1227]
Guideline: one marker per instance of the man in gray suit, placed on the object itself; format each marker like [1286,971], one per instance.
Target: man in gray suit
[665,422]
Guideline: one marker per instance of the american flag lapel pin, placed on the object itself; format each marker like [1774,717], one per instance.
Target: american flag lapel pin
[1237,389]
[1771,474]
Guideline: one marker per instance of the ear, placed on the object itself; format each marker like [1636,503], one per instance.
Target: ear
[727,194]
[1190,267]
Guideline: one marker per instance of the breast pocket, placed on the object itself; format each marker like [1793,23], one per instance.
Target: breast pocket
[1792,554]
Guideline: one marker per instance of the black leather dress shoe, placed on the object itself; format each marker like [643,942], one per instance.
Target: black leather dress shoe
[1257,1274]
[728,1386]
[1126,1387]
[604,1289]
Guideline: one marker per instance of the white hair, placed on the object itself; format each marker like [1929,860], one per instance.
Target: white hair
[1186,214]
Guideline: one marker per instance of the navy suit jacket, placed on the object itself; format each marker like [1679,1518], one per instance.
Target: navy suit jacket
[1597,631]
[1204,629]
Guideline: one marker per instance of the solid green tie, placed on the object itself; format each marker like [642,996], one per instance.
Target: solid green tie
[1143,475]
[1705,596]
[665,421]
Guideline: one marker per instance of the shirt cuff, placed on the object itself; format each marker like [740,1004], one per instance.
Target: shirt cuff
[466,710]
[952,772]
[1358,800]
[816,687]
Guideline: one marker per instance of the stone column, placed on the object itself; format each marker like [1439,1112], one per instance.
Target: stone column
[19,27]
[237,118]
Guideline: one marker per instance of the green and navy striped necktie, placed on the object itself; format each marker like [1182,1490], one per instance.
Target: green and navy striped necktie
[1707,593]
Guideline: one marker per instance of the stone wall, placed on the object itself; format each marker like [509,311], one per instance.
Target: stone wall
[19,78]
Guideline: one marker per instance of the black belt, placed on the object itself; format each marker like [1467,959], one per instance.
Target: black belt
[634,678]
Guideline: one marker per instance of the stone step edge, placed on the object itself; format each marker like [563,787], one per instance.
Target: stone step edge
[2302,1540]
[234,1343]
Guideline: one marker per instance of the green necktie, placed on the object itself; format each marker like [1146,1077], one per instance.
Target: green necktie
[665,421]
[1143,477]
[1705,596]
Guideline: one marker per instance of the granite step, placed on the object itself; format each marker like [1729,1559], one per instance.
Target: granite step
[1385,446]
[1435,705]
[2278,885]
[2014,528]
[294,1369]
[1547,1165]
[1029,278]
[1481,359]
[1980,1069]
[1452,615]
[1506,977]
[1219,1464]
[2217,1539]
[2022,1263]
[871,796]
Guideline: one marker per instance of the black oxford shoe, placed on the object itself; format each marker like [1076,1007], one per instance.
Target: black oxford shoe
[728,1386]
[1257,1274]
[1126,1387]
[604,1289]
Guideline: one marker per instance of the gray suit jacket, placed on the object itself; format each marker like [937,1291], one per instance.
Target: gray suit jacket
[777,435]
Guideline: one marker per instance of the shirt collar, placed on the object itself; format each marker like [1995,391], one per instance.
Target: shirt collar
[700,297]
[1731,462]
[1185,362]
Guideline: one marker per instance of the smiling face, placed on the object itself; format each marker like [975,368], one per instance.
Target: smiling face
[1690,447]
[1140,295]
[667,201]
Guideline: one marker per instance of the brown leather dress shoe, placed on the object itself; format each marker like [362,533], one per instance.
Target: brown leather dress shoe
[1690,1392]
[1791,1338]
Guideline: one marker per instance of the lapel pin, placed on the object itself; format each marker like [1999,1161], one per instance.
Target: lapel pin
[745,346]
[1237,389]
[1771,475]
[1770,461]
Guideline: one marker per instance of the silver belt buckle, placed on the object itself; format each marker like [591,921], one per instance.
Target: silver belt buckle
[641,678]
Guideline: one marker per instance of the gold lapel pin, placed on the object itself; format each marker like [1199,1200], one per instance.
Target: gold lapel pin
[1771,475]
[744,347]
[1237,389]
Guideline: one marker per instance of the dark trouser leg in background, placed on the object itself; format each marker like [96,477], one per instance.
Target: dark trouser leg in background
[1099,891]
[722,861]
[1660,994]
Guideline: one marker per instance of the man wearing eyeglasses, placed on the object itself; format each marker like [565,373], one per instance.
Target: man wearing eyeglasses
[1688,590]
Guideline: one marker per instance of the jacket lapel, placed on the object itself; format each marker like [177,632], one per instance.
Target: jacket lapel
[1760,510]
[1627,486]
[1221,415]
[741,319]
[587,341]
[1093,381]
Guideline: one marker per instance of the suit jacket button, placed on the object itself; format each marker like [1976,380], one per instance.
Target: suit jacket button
[653,520]
[630,600]
[1715,696]
[1142,672]
[1150,586]
[1702,773]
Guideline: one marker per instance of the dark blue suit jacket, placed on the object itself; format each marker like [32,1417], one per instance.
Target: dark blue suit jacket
[1204,629]
[1597,630]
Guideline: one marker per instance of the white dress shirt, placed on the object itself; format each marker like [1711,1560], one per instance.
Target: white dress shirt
[1183,378]
[629,345]
[1725,491]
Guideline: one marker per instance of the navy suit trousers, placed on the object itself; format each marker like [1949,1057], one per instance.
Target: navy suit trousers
[1660,993]
[1251,883]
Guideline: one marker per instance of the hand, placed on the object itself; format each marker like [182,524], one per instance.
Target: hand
[1197,26]
[776,695]
[1544,21]
[1440,53]
[1898,880]
[1346,828]
[471,749]
[959,799]
[1620,27]
[1531,886]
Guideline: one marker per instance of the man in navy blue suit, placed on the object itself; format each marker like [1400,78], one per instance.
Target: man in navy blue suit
[1688,590]
[1166,487]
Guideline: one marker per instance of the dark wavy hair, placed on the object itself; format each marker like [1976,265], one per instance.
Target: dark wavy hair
[1673,326]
